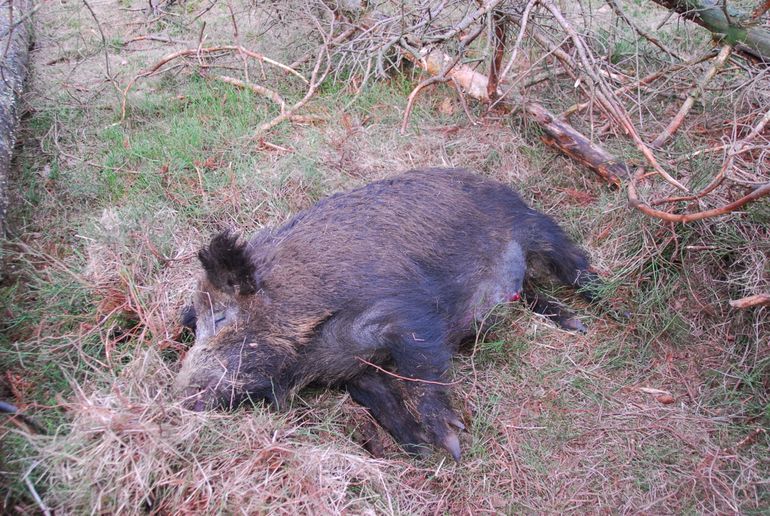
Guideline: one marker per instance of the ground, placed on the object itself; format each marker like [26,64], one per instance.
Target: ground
[665,411]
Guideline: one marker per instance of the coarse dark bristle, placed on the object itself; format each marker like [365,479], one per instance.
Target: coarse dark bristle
[227,264]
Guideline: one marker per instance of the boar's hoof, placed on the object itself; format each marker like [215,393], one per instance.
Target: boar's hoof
[451,443]
[457,424]
[443,428]
[574,324]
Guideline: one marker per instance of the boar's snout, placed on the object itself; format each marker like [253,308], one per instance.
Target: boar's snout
[200,391]
[198,396]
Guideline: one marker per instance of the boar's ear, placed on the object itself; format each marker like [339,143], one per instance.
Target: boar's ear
[228,265]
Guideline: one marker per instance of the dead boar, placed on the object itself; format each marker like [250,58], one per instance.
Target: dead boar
[372,290]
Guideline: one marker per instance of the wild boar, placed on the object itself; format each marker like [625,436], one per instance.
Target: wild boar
[372,290]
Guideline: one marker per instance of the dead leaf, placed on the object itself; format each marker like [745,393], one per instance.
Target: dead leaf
[446,107]
[579,197]
[650,390]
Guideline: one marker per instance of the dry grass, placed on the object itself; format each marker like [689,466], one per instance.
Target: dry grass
[129,450]
[665,412]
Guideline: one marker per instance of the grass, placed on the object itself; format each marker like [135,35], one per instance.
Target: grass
[107,217]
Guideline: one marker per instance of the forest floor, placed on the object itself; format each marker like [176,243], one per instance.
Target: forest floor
[665,412]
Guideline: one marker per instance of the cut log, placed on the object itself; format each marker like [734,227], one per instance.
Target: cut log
[557,132]
[708,14]
[15,38]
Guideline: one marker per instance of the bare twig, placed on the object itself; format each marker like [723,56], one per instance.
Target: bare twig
[748,302]
[205,9]
[605,96]
[260,90]
[736,149]
[35,496]
[108,71]
[413,96]
[498,22]
[758,128]
[672,127]
[718,179]
[152,37]
[405,378]
[716,148]
[633,200]
[340,38]
[463,103]
[643,33]
[315,81]
[486,7]
[558,133]
[522,23]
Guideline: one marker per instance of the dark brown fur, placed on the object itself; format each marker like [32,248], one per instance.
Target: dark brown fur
[395,274]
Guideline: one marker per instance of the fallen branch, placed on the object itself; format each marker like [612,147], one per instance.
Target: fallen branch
[748,302]
[558,133]
[633,201]
[595,82]
[16,36]
[707,13]
[605,96]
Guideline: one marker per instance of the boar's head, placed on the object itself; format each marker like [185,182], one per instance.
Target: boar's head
[237,354]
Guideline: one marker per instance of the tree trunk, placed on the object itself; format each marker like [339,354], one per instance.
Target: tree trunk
[707,13]
[15,38]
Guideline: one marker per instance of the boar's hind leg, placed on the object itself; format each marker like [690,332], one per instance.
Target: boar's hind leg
[543,305]
[565,260]
[382,394]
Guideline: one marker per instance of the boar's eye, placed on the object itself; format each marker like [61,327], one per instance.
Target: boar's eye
[219,318]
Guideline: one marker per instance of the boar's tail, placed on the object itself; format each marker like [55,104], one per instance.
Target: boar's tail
[228,264]
[550,245]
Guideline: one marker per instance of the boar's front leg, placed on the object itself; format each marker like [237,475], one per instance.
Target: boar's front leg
[421,355]
[383,396]
[412,402]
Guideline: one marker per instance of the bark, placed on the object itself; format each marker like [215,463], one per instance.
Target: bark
[15,38]
[709,14]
